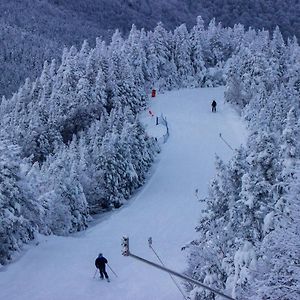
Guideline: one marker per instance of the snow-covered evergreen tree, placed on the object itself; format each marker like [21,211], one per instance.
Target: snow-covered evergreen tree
[197,58]
[15,208]
[182,56]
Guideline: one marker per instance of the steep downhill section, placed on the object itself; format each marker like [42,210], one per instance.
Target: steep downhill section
[165,208]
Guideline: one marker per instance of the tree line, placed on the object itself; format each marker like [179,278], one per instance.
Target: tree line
[248,234]
[32,31]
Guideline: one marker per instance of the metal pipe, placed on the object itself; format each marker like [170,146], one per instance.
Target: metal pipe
[180,275]
[126,252]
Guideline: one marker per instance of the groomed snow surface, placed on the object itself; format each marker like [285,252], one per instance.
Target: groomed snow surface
[165,208]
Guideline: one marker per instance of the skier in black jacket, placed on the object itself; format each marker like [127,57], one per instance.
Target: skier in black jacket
[214,106]
[100,264]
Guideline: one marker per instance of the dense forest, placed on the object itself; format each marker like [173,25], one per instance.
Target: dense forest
[32,31]
[248,240]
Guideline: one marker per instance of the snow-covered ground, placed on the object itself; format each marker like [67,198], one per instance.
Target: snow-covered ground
[166,208]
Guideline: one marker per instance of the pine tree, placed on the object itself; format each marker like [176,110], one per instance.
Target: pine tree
[182,56]
[15,228]
[197,39]
[161,58]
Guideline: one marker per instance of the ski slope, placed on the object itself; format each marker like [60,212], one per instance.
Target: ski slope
[165,208]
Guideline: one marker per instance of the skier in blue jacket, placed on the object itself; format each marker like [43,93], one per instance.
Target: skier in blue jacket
[100,264]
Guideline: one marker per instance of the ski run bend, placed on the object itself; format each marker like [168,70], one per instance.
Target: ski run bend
[165,208]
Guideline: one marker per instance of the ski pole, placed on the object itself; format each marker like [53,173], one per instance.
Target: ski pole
[112,270]
[95,273]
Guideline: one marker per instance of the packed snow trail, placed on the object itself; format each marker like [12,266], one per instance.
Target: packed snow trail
[166,208]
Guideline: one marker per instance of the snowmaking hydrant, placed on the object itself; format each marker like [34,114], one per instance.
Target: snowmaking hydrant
[126,252]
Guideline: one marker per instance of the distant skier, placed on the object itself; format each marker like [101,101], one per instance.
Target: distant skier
[100,264]
[214,106]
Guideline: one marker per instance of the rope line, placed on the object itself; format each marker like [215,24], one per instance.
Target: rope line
[177,285]
[220,135]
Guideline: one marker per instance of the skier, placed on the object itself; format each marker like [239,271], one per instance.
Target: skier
[214,106]
[100,264]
